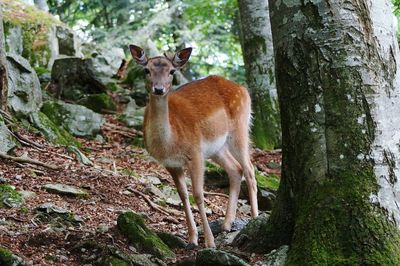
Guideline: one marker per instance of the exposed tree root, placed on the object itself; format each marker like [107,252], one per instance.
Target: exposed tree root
[27,160]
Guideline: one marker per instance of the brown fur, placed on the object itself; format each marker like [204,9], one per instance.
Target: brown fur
[207,118]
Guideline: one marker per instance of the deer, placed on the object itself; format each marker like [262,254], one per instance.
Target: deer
[204,119]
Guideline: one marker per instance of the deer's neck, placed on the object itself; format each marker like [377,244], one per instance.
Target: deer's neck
[159,128]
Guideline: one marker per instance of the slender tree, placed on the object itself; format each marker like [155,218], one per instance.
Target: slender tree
[3,67]
[337,65]
[257,47]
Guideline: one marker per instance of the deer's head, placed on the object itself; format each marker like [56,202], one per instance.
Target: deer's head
[160,69]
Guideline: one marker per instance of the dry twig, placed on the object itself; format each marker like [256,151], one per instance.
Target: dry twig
[209,193]
[27,160]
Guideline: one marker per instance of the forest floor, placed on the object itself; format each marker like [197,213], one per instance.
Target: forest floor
[111,183]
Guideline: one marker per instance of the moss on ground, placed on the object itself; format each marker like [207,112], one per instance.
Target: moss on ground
[98,102]
[7,258]
[9,197]
[132,226]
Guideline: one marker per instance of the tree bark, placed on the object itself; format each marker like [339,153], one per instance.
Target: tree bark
[338,83]
[3,67]
[257,47]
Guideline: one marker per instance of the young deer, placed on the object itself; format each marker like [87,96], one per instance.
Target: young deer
[207,118]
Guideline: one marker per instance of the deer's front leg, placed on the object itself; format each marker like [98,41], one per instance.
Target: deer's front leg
[179,180]
[196,172]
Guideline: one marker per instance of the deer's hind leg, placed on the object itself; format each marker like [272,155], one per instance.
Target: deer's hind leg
[239,147]
[225,159]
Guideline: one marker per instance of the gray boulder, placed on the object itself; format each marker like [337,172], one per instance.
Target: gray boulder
[67,44]
[132,115]
[14,40]
[76,119]
[7,141]
[252,234]
[107,62]
[72,77]
[24,92]
[214,257]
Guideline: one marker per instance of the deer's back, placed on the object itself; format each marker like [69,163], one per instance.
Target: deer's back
[203,98]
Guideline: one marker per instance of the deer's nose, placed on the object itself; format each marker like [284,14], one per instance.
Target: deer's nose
[159,90]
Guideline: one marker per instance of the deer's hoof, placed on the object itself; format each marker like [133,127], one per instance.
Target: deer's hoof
[226,227]
[191,246]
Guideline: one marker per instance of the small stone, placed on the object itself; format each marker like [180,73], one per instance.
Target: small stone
[155,191]
[65,190]
[4,180]
[18,177]
[103,228]
[225,239]
[152,180]
[273,165]
[26,194]
[126,192]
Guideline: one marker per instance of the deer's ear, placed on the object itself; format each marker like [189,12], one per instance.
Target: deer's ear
[138,54]
[182,57]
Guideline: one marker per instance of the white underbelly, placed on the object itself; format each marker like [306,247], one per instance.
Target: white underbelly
[211,147]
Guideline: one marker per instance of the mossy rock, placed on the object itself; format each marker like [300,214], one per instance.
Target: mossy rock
[250,234]
[51,131]
[214,257]
[7,258]
[9,197]
[98,102]
[129,260]
[171,240]
[27,31]
[76,119]
[114,261]
[270,182]
[133,227]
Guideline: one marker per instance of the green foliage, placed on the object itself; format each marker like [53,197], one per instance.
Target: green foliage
[210,27]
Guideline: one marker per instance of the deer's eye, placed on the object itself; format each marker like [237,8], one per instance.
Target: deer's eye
[147,71]
[172,71]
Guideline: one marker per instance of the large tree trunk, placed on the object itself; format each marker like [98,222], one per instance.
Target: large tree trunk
[338,83]
[3,67]
[257,50]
